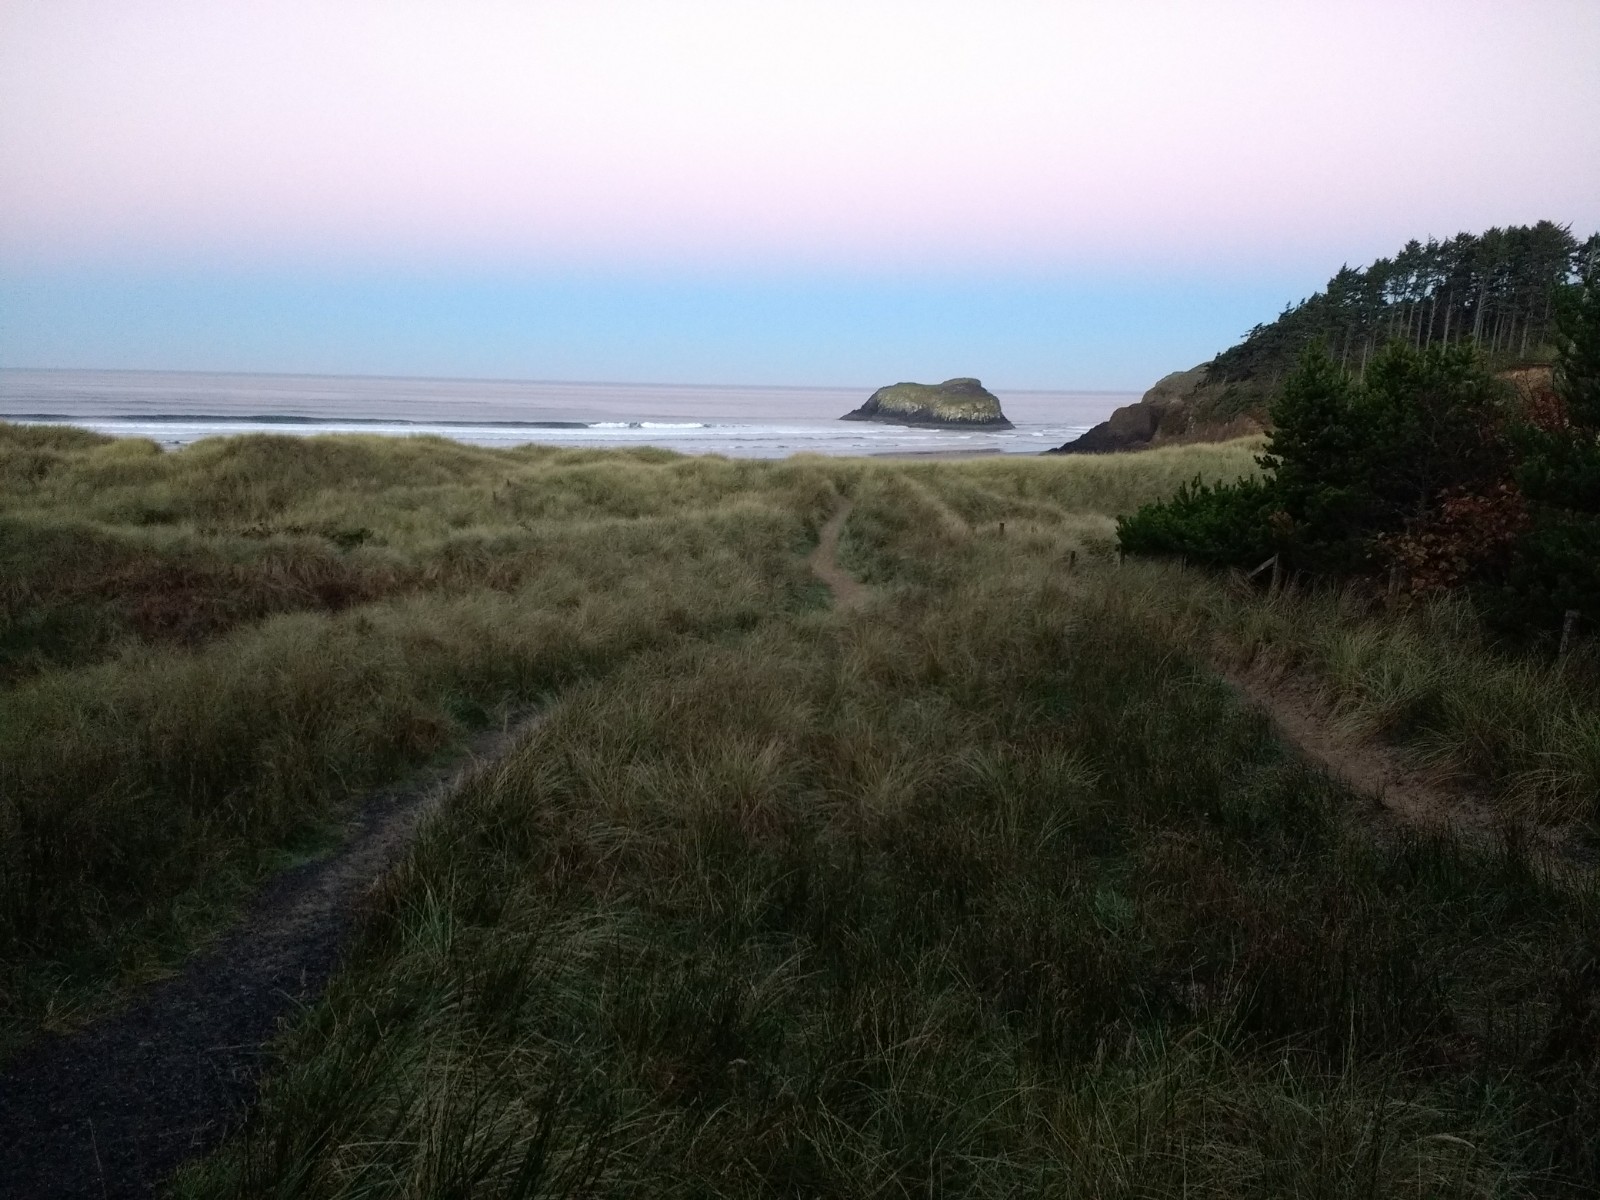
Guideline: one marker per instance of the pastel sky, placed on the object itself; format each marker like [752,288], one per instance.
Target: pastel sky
[1045,194]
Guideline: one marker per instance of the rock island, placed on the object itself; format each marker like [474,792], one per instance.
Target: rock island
[953,404]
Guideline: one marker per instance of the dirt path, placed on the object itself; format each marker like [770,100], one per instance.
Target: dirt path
[848,591]
[112,1110]
[1303,720]
[1402,793]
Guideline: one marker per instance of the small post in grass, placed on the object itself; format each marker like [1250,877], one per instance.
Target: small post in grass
[1271,562]
[1072,560]
[1277,574]
[1569,631]
[1002,529]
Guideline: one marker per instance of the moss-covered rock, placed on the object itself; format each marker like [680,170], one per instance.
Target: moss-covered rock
[953,404]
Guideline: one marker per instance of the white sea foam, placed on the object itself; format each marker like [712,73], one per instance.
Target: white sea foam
[745,422]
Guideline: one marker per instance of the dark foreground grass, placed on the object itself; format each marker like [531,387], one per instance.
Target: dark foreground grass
[145,784]
[987,889]
[205,654]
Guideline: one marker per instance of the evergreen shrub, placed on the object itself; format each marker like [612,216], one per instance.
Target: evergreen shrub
[1424,463]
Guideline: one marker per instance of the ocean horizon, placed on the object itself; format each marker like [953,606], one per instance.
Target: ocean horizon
[176,408]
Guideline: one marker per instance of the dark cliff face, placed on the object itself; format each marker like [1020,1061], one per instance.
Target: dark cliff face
[1130,427]
[954,404]
[1182,407]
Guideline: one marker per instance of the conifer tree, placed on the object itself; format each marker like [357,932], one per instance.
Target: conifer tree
[1314,453]
[1557,565]
[1433,423]
[1495,290]
[1577,374]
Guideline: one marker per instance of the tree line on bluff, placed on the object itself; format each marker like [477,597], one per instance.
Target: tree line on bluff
[1496,290]
[1419,461]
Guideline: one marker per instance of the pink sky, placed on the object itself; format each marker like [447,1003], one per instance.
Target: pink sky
[999,136]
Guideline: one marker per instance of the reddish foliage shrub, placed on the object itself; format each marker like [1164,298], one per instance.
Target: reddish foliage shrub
[1468,536]
[1544,409]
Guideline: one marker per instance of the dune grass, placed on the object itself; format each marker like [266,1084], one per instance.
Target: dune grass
[145,781]
[1520,728]
[988,887]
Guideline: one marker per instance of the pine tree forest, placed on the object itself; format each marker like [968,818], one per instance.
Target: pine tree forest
[1496,289]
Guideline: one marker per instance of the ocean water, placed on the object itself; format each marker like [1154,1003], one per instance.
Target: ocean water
[175,408]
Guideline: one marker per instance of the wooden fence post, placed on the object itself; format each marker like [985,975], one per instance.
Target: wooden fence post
[1072,560]
[1271,562]
[1569,631]
[1277,574]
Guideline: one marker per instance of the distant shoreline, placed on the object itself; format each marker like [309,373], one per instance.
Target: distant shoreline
[741,423]
[935,455]
[173,431]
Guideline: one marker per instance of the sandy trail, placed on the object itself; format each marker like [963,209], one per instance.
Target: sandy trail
[1302,719]
[112,1110]
[848,591]
[1405,795]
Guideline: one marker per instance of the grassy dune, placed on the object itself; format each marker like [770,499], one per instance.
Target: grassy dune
[986,887]
[147,779]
